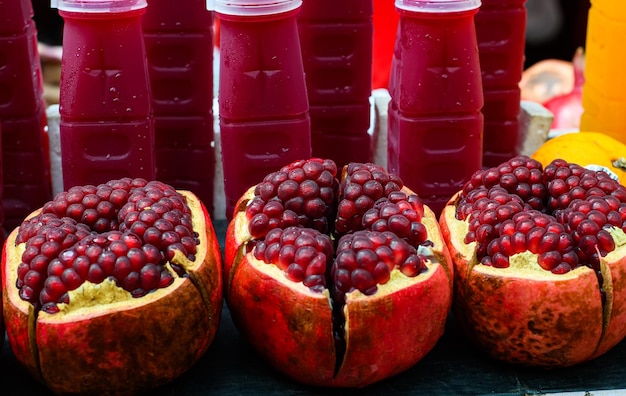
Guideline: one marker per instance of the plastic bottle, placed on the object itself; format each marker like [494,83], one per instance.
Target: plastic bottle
[263,104]
[24,156]
[107,126]
[179,44]
[336,40]
[604,90]
[435,122]
[500,29]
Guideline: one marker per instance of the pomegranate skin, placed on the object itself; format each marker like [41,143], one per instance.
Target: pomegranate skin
[121,347]
[292,327]
[532,317]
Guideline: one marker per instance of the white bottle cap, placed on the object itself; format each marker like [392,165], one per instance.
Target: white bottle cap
[98,5]
[252,7]
[438,5]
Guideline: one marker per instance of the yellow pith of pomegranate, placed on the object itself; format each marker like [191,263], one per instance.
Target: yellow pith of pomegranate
[540,261]
[338,283]
[112,289]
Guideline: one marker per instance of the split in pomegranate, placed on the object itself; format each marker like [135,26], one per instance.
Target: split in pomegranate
[540,261]
[337,280]
[115,288]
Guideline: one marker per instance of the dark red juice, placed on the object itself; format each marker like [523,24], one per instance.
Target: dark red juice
[25,164]
[500,29]
[263,105]
[106,128]
[435,122]
[179,45]
[336,40]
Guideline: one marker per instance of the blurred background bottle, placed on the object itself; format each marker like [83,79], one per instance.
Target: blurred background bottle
[500,29]
[107,127]
[336,40]
[435,120]
[604,90]
[179,45]
[25,165]
[263,104]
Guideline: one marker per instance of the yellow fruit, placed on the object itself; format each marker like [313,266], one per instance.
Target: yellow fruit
[586,148]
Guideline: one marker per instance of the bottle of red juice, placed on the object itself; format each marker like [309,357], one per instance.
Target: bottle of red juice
[106,126]
[25,165]
[500,29]
[179,45]
[435,119]
[336,40]
[263,104]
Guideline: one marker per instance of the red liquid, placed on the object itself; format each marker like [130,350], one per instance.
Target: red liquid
[264,118]
[25,166]
[500,29]
[336,39]
[179,44]
[435,123]
[107,129]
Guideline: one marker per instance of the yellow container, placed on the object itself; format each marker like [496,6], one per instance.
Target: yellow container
[604,91]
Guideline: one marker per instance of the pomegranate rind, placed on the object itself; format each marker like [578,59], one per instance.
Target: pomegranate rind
[391,331]
[236,233]
[125,346]
[291,326]
[535,318]
[613,268]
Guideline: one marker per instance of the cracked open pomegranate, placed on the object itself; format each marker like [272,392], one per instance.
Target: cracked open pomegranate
[539,256]
[112,289]
[337,283]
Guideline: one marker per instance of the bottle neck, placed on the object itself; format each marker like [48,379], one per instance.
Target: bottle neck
[439,8]
[258,18]
[102,15]
[404,13]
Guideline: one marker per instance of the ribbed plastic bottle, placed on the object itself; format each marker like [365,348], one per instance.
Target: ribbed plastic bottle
[500,29]
[179,45]
[25,164]
[263,105]
[435,119]
[336,40]
[604,90]
[106,127]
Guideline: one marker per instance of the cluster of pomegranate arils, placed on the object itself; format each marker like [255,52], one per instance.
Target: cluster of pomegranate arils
[124,230]
[377,226]
[563,213]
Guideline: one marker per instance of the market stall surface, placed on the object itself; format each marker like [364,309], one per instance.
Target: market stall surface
[453,367]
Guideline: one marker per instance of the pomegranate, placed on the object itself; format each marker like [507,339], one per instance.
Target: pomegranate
[546,79]
[567,107]
[112,289]
[337,283]
[539,257]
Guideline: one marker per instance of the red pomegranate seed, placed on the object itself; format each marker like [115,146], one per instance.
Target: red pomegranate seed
[365,258]
[65,253]
[302,253]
